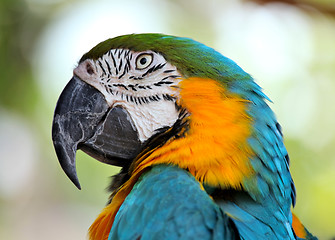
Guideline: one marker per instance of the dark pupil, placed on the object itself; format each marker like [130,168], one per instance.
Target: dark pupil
[143,61]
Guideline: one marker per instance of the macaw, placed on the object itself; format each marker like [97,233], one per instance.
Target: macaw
[201,152]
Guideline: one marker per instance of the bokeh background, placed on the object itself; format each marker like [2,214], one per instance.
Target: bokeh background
[288,46]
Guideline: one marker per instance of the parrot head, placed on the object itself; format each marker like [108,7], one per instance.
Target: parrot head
[130,96]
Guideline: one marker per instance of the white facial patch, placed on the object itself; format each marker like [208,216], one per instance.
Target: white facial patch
[143,83]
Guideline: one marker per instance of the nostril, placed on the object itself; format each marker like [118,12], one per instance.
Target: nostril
[89,68]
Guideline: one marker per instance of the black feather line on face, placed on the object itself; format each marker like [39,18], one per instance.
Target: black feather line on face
[124,72]
[108,67]
[114,61]
[120,65]
[102,68]
[169,71]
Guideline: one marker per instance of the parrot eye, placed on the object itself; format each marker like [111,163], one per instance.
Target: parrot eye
[143,61]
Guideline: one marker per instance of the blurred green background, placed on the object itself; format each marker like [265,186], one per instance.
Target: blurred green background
[288,46]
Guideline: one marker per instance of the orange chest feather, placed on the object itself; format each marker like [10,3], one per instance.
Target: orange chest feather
[214,149]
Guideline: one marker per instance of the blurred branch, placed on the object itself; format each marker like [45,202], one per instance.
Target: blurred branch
[321,6]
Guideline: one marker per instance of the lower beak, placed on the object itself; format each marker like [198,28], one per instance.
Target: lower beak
[83,120]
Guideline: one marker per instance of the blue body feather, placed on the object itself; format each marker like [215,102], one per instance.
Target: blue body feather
[168,203]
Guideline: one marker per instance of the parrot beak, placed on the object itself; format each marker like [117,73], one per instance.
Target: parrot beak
[83,120]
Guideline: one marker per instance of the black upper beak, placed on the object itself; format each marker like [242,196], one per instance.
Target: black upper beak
[83,120]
